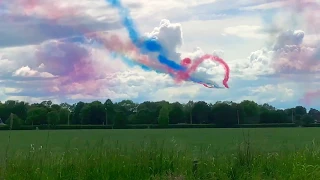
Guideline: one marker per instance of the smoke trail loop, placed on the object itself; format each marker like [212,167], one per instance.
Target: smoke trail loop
[152,45]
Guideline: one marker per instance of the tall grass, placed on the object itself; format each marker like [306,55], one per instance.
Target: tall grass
[157,160]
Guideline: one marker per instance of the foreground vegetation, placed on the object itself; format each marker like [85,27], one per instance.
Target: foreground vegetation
[273,153]
[154,160]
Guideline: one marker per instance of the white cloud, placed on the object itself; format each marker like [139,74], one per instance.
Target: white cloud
[270,93]
[257,64]
[5,64]
[170,36]
[245,31]
[265,6]
[27,72]
[209,36]
[288,56]
[270,88]
[12,90]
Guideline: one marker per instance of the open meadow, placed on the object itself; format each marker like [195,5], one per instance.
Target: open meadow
[280,153]
[224,140]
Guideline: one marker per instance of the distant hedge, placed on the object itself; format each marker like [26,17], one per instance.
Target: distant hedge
[154,126]
[313,125]
[274,125]
[4,127]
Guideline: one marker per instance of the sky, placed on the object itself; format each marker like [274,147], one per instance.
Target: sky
[271,48]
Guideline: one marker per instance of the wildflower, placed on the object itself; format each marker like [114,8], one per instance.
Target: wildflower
[31,147]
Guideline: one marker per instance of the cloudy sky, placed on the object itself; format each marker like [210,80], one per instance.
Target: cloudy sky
[271,47]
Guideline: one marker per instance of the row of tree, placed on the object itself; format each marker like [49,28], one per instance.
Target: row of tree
[162,113]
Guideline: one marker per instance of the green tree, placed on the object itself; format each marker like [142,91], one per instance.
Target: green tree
[281,117]
[251,108]
[150,111]
[14,122]
[64,116]
[300,110]
[85,114]
[240,113]
[266,107]
[314,113]
[55,107]
[176,114]
[66,106]
[98,113]
[274,116]
[76,119]
[110,111]
[306,120]
[4,111]
[163,118]
[15,107]
[224,114]
[37,116]
[53,117]
[20,109]
[120,120]
[200,113]
[126,106]
[93,113]
[46,103]
[187,108]
[143,116]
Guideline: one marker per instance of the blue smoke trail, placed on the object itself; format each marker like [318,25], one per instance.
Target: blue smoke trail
[132,63]
[150,45]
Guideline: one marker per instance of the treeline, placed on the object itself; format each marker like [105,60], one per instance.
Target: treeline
[120,114]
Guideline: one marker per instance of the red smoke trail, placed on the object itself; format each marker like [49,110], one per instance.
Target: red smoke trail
[310,96]
[307,8]
[76,71]
[116,45]
[186,61]
[54,12]
[185,75]
[217,59]
[49,9]
[302,59]
[179,76]
[311,8]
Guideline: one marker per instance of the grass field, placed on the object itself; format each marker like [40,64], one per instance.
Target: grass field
[269,153]
[267,139]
